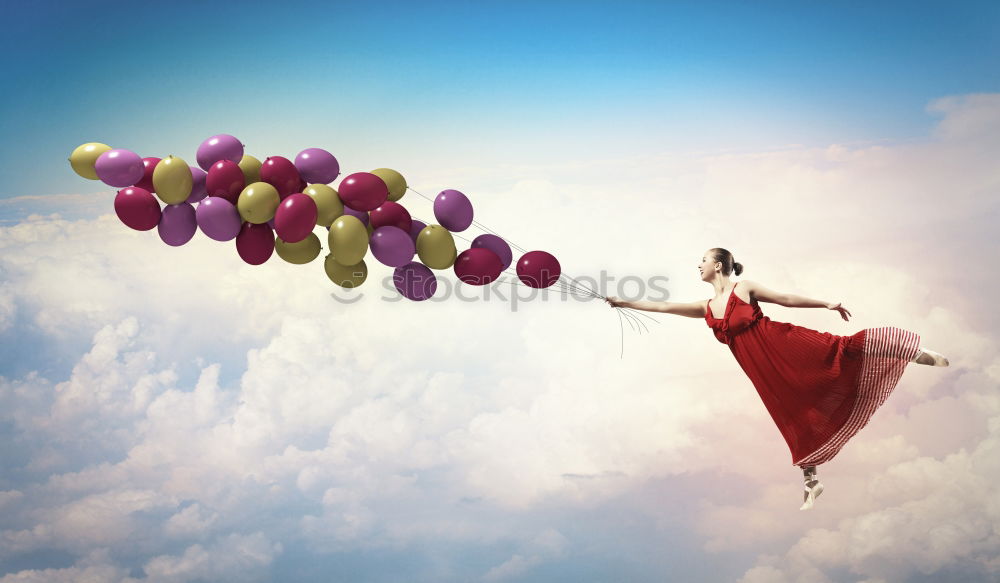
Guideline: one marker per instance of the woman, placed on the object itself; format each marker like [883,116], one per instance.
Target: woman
[819,388]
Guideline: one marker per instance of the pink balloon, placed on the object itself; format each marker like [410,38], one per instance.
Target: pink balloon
[198,189]
[119,168]
[255,243]
[225,180]
[478,266]
[219,147]
[295,218]
[137,208]
[281,174]
[363,191]
[177,224]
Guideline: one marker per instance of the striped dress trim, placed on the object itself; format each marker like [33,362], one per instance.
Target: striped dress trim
[886,353]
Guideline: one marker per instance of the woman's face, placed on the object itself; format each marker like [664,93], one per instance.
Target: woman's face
[707,266]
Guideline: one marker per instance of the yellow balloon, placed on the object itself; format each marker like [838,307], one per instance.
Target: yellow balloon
[85,156]
[258,202]
[348,240]
[251,169]
[345,275]
[172,180]
[298,253]
[436,247]
[394,180]
[327,203]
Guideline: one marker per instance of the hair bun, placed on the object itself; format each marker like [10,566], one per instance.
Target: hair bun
[737,268]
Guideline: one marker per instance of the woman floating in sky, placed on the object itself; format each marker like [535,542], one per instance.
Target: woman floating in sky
[819,388]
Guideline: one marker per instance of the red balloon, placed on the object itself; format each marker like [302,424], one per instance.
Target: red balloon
[478,266]
[363,191]
[302,184]
[281,174]
[538,269]
[148,164]
[225,180]
[391,214]
[255,243]
[295,218]
[137,208]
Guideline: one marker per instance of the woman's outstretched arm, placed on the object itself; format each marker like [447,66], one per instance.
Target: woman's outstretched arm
[690,309]
[765,294]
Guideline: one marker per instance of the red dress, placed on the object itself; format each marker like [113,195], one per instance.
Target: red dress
[819,388]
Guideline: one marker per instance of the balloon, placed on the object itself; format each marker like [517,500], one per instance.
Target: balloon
[137,208]
[298,253]
[85,156]
[280,173]
[436,247]
[317,166]
[392,246]
[177,224]
[453,210]
[348,240]
[258,202]
[226,180]
[363,191]
[295,218]
[328,205]
[198,190]
[119,168]
[360,215]
[148,165]
[255,243]
[391,213]
[496,245]
[415,228]
[250,167]
[220,147]
[415,281]
[172,180]
[393,180]
[538,269]
[218,218]
[345,275]
[478,266]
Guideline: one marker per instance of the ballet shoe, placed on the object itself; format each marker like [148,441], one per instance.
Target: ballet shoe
[813,489]
[936,359]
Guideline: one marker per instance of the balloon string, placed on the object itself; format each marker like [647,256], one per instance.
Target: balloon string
[621,329]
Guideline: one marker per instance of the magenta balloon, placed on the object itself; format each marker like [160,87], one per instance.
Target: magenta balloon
[363,191]
[137,208]
[453,210]
[198,189]
[177,224]
[220,147]
[218,218]
[295,218]
[119,168]
[255,243]
[415,228]
[362,215]
[478,266]
[225,180]
[317,166]
[281,174]
[391,213]
[538,269]
[415,281]
[146,183]
[392,246]
[496,245]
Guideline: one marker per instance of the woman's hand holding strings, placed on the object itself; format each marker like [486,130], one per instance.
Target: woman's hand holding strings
[615,302]
[843,311]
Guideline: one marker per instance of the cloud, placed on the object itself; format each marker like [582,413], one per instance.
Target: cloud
[215,417]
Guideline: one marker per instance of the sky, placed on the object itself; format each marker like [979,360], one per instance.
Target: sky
[173,414]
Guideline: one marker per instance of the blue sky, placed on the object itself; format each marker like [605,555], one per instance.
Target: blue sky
[410,82]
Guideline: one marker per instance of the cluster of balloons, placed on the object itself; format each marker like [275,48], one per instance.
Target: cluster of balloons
[276,205]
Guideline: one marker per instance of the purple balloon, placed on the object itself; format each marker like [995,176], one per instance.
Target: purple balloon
[317,166]
[119,168]
[392,246]
[177,224]
[453,210]
[198,190]
[496,245]
[415,228]
[218,219]
[415,281]
[363,215]
[220,147]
